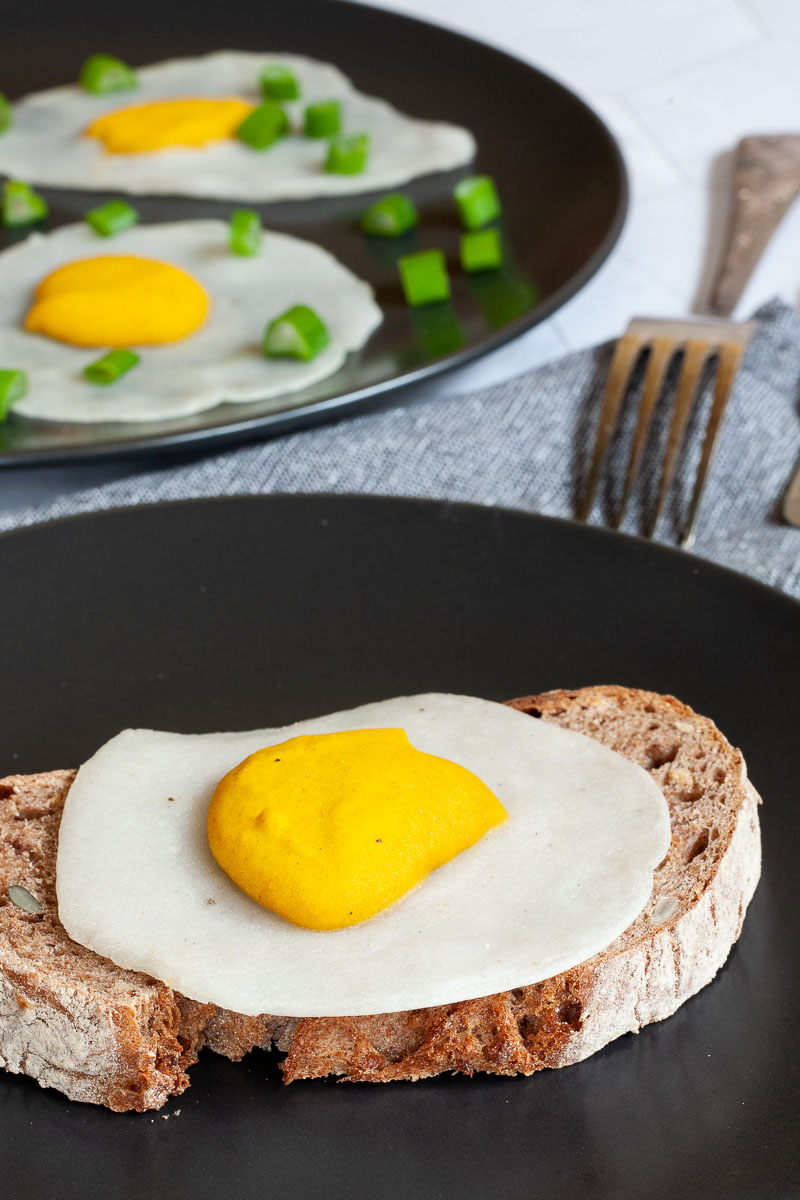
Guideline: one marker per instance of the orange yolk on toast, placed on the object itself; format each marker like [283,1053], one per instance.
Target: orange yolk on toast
[326,830]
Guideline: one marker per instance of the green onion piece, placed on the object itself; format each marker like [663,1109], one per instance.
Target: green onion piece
[347,154]
[424,277]
[323,119]
[112,217]
[102,74]
[477,201]
[279,83]
[263,126]
[110,367]
[245,232]
[21,205]
[13,386]
[481,250]
[297,333]
[391,216]
[6,115]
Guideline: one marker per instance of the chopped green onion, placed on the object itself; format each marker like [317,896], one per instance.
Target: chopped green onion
[297,333]
[391,216]
[323,119]
[6,115]
[245,232]
[110,367]
[263,126]
[477,201]
[21,205]
[13,386]
[424,277]
[347,154]
[112,217]
[102,74]
[279,83]
[481,250]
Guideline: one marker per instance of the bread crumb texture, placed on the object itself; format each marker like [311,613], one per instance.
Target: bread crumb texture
[74,1021]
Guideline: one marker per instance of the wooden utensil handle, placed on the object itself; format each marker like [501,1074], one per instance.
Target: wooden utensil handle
[766,179]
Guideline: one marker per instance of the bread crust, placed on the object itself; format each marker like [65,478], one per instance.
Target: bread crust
[69,1018]
[122,1039]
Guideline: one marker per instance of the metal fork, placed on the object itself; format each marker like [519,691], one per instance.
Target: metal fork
[699,341]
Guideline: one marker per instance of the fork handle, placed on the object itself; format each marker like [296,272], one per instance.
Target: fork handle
[766,179]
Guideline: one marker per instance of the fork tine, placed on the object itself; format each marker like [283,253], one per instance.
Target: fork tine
[623,362]
[694,359]
[730,355]
[661,352]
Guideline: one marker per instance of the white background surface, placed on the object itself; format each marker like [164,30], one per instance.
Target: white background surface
[679,82]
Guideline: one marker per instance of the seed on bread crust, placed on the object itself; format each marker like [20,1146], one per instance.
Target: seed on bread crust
[24,899]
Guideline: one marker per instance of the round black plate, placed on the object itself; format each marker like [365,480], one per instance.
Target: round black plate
[246,612]
[558,169]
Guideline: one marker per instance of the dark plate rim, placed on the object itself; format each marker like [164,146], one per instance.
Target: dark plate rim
[340,404]
[602,532]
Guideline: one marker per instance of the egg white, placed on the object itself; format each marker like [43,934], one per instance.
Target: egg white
[568,871]
[221,361]
[46,143]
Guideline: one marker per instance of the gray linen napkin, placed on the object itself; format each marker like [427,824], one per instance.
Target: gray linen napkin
[524,444]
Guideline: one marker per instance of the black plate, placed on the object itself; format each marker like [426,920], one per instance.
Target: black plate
[558,169]
[246,612]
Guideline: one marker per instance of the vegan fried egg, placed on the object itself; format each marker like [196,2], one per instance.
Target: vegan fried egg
[174,134]
[541,891]
[178,291]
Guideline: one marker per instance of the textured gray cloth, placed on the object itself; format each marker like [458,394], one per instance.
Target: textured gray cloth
[524,444]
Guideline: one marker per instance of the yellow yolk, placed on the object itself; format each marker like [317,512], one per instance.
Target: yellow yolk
[328,829]
[118,301]
[144,127]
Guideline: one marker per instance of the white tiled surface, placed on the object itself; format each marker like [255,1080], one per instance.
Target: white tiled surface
[679,82]
[776,16]
[756,88]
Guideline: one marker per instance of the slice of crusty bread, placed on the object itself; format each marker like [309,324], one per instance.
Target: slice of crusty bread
[76,1022]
